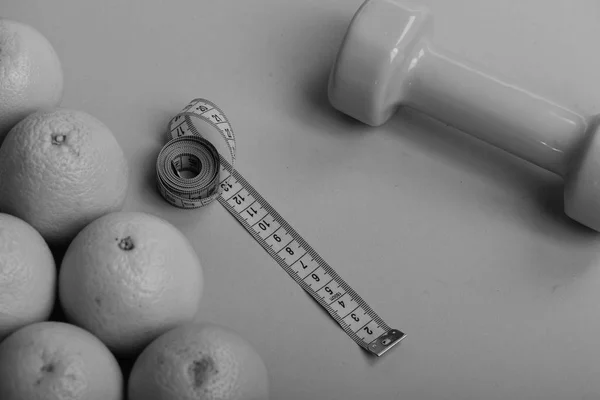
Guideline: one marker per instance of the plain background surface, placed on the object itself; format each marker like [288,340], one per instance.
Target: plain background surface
[461,246]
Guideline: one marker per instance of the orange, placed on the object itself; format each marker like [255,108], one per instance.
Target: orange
[31,76]
[128,277]
[27,276]
[57,361]
[201,361]
[59,170]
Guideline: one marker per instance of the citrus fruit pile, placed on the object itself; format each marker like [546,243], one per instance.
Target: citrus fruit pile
[127,285]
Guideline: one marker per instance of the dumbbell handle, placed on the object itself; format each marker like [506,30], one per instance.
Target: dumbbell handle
[501,114]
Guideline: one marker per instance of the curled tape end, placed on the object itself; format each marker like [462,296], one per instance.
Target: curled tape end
[184,145]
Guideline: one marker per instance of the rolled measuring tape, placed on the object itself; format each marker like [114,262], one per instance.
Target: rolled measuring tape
[191,174]
[188,166]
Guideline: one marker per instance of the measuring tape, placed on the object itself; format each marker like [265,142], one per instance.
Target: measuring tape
[191,174]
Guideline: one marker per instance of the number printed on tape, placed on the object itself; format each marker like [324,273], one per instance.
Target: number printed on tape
[274,233]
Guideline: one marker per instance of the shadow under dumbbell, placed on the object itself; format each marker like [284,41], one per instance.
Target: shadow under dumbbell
[311,106]
[539,190]
[317,110]
[551,200]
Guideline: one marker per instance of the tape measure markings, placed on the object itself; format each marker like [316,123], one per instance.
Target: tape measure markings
[373,332]
[266,225]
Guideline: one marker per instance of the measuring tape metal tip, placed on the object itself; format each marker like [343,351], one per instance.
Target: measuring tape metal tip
[386,342]
[209,177]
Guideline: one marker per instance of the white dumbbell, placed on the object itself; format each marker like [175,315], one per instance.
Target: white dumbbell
[387,61]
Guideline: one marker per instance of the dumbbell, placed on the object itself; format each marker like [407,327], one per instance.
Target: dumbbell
[387,60]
